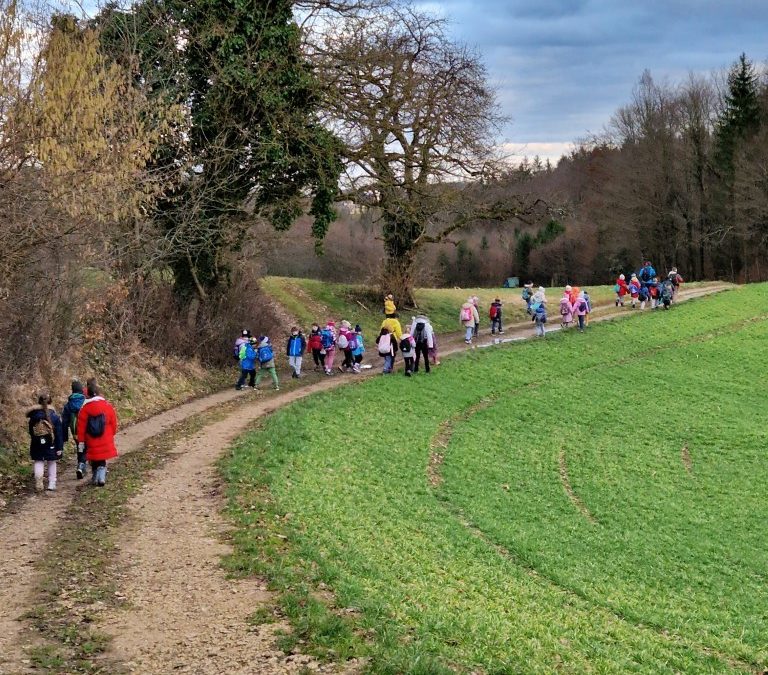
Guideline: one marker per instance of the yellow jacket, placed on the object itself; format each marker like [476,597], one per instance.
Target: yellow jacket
[389,306]
[394,327]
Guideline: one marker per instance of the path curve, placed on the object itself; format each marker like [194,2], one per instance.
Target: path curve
[25,529]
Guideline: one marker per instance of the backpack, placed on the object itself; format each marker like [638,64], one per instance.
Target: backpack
[563,307]
[642,294]
[342,342]
[405,345]
[236,349]
[582,305]
[352,341]
[43,427]
[527,294]
[616,288]
[466,314]
[265,354]
[96,425]
[385,344]
[493,311]
[645,274]
[534,307]
[420,334]
[327,337]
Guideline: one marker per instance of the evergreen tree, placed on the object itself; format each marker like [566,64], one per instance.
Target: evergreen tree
[740,118]
[253,146]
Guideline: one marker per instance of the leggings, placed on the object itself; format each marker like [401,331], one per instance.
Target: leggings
[39,468]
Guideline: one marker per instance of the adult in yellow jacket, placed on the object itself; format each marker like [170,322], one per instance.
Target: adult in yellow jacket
[392,324]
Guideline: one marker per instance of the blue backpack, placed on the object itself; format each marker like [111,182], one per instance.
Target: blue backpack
[266,354]
[327,338]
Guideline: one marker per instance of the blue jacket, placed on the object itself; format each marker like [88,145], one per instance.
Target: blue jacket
[247,356]
[297,345]
[360,349]
[69,415]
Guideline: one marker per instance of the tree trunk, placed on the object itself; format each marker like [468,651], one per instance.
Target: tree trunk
[398,280]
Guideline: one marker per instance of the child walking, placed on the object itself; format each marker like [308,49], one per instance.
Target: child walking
[247,364]
[621,288]
[387,345]
[266,362]
[390,308]
[46,444]
[581,309]
[316,345]
[328,337]
[566,310]
[297,345]
[359,348]
[345,342]
[408,350]
[539,318]
[494,313]
[468,317]
[69,423]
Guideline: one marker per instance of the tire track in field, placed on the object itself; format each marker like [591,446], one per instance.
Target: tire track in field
[566,482]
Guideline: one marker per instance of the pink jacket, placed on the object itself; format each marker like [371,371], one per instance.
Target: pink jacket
[579,312]
[566,309]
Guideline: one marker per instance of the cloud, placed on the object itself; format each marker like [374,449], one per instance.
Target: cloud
[562,67]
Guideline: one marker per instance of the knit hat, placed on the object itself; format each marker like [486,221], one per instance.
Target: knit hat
[568,289]
[263,340]
[346,324]
[621,276]
[541,289]
[330,323]
[357,328]
[246,333]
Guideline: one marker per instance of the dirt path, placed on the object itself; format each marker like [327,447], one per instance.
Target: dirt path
[186,616]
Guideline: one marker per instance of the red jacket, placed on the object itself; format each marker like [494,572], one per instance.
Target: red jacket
[102,447]
[315,341]
[623,288]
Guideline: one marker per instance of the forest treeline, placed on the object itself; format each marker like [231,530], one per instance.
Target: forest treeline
[156,159]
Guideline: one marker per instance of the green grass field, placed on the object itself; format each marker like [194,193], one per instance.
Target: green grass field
[311,300]
[584,503]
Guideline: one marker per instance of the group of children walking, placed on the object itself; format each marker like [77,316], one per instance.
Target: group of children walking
[645,287]
[342,346]
[93,425]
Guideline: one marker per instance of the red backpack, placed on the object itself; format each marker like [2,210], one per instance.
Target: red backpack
[493,312]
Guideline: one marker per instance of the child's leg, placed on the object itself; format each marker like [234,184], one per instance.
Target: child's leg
[242,378]
[52,473]
[252,375]
[468,334]
[273,373]
[297,365]
[37,471]
[258,376]
[329,356]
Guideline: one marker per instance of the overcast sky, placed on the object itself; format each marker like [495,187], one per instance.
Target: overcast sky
[562,67]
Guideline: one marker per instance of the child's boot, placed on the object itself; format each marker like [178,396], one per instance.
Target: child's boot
[101,476]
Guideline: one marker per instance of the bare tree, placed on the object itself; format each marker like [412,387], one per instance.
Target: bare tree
[419,120]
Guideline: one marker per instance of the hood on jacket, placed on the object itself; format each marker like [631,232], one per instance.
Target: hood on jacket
[76,397]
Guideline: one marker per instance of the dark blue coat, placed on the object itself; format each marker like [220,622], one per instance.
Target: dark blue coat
[45,448]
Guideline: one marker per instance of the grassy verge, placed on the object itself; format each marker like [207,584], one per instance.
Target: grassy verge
[310,300]
[492,570]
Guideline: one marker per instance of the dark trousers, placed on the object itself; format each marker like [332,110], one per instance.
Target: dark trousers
[244,374]
[318,357]
[421,349]
[348,361]
[408,364]
[359,358]
[581,321]
[496,324]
